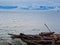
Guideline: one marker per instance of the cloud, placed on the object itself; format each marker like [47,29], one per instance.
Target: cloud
[43,8]
[25,7]
[38,7]
[29,7]
[30,2]
[8,7]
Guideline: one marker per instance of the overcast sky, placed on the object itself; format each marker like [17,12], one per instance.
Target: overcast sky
[30,2]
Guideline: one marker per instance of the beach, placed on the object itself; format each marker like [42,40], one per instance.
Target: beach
[12,42]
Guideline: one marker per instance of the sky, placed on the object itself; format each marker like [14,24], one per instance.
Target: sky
[30,4]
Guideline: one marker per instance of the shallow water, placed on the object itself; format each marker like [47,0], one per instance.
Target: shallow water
[28,21]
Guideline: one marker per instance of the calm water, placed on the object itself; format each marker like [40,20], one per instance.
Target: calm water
[28,21]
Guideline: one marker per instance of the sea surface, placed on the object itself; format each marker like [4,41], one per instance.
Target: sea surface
[28,22]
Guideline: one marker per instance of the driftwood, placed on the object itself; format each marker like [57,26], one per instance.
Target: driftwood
[46,33]
[29,37]
[42,38]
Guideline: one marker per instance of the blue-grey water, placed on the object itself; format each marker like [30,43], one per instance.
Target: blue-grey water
[28,21]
